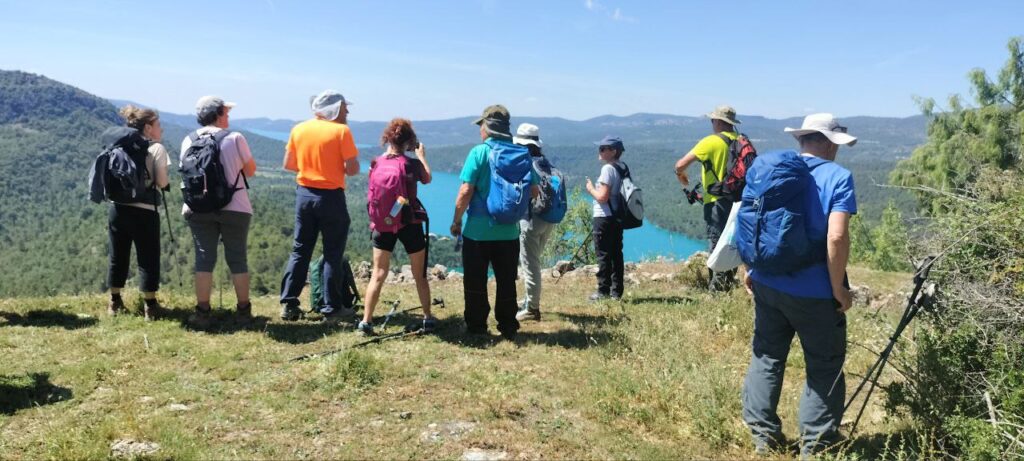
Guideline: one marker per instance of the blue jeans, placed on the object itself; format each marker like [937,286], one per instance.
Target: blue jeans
[317,212]
[822,331]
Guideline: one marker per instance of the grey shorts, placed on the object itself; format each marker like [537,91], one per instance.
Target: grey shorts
[230,227]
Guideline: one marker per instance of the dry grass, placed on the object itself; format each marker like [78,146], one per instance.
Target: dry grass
[657,376]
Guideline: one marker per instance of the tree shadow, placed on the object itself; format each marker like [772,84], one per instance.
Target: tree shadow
[48,318]
[589,334]
[18,392]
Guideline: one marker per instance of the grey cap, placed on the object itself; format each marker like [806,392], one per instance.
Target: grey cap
[209,104]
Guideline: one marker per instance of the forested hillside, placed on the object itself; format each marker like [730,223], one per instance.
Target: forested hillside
[53,240]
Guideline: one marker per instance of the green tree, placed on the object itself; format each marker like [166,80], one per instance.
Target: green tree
[963,141]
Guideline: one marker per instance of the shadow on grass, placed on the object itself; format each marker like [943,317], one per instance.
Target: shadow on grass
[18,392]
[304,331]
[222,321]
[589,334]
[661,300]
[48,318]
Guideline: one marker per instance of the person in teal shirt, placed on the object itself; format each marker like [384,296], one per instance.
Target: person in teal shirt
[485,242]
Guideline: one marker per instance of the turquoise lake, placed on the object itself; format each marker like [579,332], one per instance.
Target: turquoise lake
[646,242]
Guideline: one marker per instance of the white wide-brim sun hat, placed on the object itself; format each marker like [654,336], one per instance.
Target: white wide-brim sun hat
[825,124]
[528,133]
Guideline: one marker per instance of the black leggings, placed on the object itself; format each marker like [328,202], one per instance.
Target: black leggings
[503,257]
[608,247]
[128,224]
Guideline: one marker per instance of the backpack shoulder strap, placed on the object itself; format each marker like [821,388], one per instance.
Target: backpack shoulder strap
[220,135]
[622,169]
[728,140]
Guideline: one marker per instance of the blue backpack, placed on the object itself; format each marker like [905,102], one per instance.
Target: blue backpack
[508,199]
[771,225]
[552,203]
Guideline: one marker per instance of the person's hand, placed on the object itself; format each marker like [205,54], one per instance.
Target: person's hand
[420,151]
[844,298]
[590,184]
[748,283]
[456,228]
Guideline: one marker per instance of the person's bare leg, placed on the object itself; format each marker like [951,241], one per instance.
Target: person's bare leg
[381,264]
[241,283]
[418,260]
[204,287]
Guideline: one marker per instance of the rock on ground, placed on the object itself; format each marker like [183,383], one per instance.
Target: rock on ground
[363,271]
[128,448]
[479,454]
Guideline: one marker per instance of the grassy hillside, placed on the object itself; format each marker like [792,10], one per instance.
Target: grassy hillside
[657,376]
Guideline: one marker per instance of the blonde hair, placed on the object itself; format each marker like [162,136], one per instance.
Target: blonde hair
[136,117]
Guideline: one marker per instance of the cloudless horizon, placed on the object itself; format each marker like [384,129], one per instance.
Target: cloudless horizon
[575,59]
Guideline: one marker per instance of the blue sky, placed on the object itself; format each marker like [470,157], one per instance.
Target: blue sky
[571,58]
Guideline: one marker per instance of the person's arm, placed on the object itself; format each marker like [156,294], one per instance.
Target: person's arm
[350,153]
[248,162]
[461,205]
[601,192]
[681,166]
[421,154]
[161,161]
[838,255]
[290,161]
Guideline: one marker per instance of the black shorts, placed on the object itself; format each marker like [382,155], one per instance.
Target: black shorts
[411,235]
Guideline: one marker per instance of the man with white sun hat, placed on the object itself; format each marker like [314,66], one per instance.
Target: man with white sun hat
[810,302]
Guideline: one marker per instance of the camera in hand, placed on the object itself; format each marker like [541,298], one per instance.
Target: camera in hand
[693,195]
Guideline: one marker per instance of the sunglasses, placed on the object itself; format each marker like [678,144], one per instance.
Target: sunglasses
[839,129]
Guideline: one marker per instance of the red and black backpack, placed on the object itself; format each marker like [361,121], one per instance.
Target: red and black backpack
[741,155]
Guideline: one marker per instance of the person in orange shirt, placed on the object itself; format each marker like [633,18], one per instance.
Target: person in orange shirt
[321,150]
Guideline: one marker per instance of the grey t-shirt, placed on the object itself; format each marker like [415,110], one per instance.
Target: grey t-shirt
[609,177]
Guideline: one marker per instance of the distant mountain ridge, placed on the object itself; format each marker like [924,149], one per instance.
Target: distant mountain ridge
[635,128]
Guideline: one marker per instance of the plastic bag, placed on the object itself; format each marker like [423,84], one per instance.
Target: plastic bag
[725,255]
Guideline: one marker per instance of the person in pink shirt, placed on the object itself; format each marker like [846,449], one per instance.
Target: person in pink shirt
[230,224]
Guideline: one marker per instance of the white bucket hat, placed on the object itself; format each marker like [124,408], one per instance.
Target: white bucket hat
[328,104]
[825,124]
[528,133]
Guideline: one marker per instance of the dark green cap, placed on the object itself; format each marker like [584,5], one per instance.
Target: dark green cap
[496,113]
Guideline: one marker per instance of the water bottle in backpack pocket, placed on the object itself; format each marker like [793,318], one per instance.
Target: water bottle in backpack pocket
[508,199]
[385,191]
[771,232]
[204,182]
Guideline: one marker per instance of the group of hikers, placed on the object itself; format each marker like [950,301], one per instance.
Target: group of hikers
[790,211]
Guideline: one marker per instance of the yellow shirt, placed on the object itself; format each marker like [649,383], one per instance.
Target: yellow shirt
[714,152]
[318,149]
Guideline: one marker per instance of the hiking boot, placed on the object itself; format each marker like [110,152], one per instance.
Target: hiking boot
[115,306]
[343,314]
[528,314]
[598,296]
[429,324]
[153,310]
[243,313]
[365,328]
[290,312]
[201,318]
[509,335]
[477,331]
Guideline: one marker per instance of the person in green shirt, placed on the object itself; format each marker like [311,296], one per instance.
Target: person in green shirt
[713,154]
[485,242]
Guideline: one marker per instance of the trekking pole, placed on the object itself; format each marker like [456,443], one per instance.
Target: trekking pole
[392,312]
[576,254]
[875,371]
[376,339]
[167,212]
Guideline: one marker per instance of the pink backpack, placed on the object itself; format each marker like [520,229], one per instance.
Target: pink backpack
[387,183]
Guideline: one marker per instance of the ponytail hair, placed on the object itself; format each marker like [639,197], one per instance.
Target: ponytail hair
[136,117]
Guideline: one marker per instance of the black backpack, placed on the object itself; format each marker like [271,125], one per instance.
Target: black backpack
[119,173]
[204,182]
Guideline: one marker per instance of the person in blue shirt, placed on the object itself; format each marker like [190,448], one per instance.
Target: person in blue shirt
[487,243]
[808,302]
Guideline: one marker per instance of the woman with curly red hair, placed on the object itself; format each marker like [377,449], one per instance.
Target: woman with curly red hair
[397,215]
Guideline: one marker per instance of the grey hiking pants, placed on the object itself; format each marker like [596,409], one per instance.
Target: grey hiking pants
[822,331]
[533,237]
